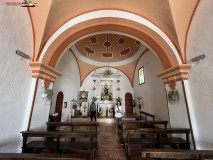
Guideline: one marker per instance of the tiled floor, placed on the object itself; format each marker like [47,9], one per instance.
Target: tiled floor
[109,144]
[110,147]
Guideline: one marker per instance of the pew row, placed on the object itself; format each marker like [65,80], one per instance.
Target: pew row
[59,142]
[177,154]
[144,115]
[137,125]
[160,138]
[74,127]
[31,156]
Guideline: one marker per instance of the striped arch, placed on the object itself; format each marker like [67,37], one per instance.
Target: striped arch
[119,22]
[98,26]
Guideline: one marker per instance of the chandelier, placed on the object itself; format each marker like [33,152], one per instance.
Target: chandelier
[108,73]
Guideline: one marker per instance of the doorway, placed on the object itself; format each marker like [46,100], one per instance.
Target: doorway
[128,103]
[59,105]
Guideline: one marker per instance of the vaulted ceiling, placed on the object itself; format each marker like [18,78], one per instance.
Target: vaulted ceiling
[108,47]
[173,17]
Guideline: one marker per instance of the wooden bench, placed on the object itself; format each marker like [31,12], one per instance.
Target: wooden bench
[54,126]
[141,124]
[146,115]
[28,156]
[177,154]
[61,142]
[157,141]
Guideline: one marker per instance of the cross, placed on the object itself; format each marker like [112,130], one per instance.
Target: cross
[85,108]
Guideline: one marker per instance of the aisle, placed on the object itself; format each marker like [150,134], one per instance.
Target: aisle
[110,147]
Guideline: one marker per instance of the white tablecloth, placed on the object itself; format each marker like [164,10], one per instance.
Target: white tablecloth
[104,107]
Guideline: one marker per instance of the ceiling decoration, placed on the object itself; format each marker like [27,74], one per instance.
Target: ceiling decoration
[108,47]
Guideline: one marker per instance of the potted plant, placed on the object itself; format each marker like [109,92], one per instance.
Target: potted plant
[118,99]
[173,96]
[94,99]
[140,102]
[48,93]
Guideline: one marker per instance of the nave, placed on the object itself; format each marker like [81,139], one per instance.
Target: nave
[58,57]
[140,137]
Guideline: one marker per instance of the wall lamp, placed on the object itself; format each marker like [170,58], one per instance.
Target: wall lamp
[22,54]
[198,58]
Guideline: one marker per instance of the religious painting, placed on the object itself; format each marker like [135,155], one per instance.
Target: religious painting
[141,75]
[83,97]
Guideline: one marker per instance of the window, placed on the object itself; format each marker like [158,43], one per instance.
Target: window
[141,75]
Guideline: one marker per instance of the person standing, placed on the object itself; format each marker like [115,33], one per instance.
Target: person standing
[118,115]
[93,111]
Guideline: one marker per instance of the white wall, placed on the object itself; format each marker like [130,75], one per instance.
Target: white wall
[200,41]
[15,78]
[178,111]
[41,109]
[68,83]
[153,90]
[124,85]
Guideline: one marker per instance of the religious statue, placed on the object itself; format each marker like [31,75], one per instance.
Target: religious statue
[106,90]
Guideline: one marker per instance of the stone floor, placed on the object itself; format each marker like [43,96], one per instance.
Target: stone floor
[110,147]
[109,144]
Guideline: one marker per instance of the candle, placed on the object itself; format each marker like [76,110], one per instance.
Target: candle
[73,112]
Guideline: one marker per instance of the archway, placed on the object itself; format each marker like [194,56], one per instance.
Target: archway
[59,105]
[119,22]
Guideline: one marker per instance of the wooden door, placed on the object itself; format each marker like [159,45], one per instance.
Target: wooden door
[59,105]
[128,103]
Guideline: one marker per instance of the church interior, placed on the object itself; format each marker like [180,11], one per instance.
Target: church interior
[151,58]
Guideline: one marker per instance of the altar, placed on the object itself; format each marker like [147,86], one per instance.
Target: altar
[106,108]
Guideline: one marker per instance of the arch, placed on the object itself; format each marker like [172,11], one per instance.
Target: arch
[106,67]
[161,51]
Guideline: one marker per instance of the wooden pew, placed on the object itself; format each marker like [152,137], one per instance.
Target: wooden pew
[28,156]
[61,142]
[142,124]
[53,126]
[146,115]
[157,141]
[177,154]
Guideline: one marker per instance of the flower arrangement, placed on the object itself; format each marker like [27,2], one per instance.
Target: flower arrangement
[100,113]
[74,103]
[140,102]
